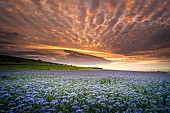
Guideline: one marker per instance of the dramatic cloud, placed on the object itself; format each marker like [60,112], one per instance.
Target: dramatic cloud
[82,59]
[59,56]
[132,28]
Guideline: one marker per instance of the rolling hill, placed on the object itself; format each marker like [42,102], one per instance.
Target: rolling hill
[11,62]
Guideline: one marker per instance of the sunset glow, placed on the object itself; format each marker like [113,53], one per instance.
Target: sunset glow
[112,34]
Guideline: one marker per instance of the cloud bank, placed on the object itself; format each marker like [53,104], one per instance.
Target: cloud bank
[125,27]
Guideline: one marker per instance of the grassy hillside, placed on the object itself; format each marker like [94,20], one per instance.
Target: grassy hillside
[10,62]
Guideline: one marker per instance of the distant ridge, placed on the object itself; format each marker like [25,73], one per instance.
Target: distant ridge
[12,62]
[4,59]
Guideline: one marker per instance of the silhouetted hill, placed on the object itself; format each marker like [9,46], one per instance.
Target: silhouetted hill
[11,62]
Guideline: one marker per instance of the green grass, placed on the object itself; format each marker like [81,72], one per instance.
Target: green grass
[43,67]
[10,62]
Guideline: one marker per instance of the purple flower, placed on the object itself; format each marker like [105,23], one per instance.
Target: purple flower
[54,102]
[2,111]
[45,108]
[40,101]
[73,94]
[29,99]
[27,108]
[11,104]
[79,111]
[19,98]
[5,96]
[1,105]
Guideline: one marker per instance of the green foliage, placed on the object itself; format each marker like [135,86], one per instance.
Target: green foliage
[9,62]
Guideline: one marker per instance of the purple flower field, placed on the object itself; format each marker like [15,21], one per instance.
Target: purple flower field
[92,91]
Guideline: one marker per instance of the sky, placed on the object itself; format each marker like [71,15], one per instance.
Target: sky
[112,34]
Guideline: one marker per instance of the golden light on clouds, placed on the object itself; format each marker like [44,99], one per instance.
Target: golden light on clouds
[61,48]
[114,58]
[109,32]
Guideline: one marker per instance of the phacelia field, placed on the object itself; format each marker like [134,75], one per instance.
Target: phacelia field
[84,92]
